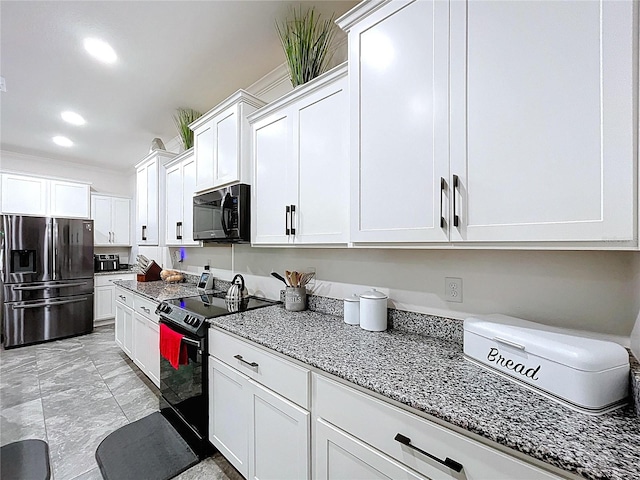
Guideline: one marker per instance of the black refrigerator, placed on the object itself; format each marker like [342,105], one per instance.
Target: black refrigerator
[46,267]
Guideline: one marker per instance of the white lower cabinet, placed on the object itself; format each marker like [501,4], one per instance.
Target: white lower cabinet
[430,447]
[228,419]
[260,432]
[138,332]
[280,437]
[340,456]
[124,328]
[104,295]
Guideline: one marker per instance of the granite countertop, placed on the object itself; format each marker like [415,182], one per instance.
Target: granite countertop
[159,290]
[430,374]
[129,270]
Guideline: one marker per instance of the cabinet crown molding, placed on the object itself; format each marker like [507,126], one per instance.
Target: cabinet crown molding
[302,91]
[44,177]
[161,155]
[238,97]
[180,157]
[360,11]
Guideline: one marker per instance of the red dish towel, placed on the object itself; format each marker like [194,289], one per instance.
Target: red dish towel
[171,347]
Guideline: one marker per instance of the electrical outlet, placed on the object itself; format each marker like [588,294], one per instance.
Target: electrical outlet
[453,289]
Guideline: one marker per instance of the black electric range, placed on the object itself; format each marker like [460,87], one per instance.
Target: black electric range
[190,313]
[184,391]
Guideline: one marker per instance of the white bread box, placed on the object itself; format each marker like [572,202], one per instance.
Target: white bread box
[588,375]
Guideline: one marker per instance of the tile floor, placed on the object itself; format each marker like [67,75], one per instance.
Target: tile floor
[72,393]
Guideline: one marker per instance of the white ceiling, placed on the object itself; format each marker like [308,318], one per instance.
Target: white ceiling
[170,54]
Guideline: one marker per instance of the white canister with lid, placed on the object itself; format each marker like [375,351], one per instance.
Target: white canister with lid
[352,310]
[373,311]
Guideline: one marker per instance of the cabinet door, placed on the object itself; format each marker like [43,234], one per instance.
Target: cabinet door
[339,456]
[226,161]
[280,447]
[140,342]
[152,204]
[188,188]
[119,325]
[152,347]
[141,206]
[121,221]
[203,141]
[229,414]
[276,182]
[174,200]
[102,216]
[542,101]
[124,328]
[69,199]
[322,212]
[24,195]
[104,302]
[398,68]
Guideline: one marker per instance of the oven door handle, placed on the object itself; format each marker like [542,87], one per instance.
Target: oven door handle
[193,343]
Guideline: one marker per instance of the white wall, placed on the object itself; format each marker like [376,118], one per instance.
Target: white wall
[592,291]
[102,180]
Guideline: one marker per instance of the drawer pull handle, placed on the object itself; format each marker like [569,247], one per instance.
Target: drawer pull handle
[452,464]
[146,309]
[250,364]
[122,297]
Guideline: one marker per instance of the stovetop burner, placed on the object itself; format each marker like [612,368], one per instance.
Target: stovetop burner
[191,313]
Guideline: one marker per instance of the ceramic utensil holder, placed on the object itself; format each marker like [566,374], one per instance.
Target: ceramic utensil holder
[352,310]
[295,299]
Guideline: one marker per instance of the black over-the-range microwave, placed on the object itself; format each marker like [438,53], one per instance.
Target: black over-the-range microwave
[223,215]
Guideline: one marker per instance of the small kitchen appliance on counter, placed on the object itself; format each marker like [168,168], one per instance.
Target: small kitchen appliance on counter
[184,401]
[587,375]
[103,262]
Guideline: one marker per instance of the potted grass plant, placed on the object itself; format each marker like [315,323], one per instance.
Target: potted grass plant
[306,40]
[182,119]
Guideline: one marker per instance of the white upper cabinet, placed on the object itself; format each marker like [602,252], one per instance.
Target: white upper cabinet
[398,82]
[150,197]
[542,109]
[24,195]
[69,199]
[111,220]
[300,150]
[222,142]
[492,122]
[27,195]
[180,182]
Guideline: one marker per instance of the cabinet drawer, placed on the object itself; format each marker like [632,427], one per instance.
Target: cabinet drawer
[145,307]
[377,423]
[124,297]
[289,380]
[107,280]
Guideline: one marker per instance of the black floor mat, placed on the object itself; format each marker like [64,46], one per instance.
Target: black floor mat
[26,459]
[149,448]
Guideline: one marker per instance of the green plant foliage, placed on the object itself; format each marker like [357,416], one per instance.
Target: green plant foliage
[306,40]
[182,119]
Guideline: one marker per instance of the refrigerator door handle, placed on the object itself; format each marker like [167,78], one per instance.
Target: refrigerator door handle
[47,304]
[55,250]
[16,288]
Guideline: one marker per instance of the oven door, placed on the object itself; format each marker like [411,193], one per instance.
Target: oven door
[184,390]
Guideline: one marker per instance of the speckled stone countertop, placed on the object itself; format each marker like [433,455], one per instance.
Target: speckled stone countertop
[124,271]
[430,374]
[159,291]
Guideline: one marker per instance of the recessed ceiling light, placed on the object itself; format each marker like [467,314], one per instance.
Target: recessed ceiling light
[100,50]
[62,141]
[73,118]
